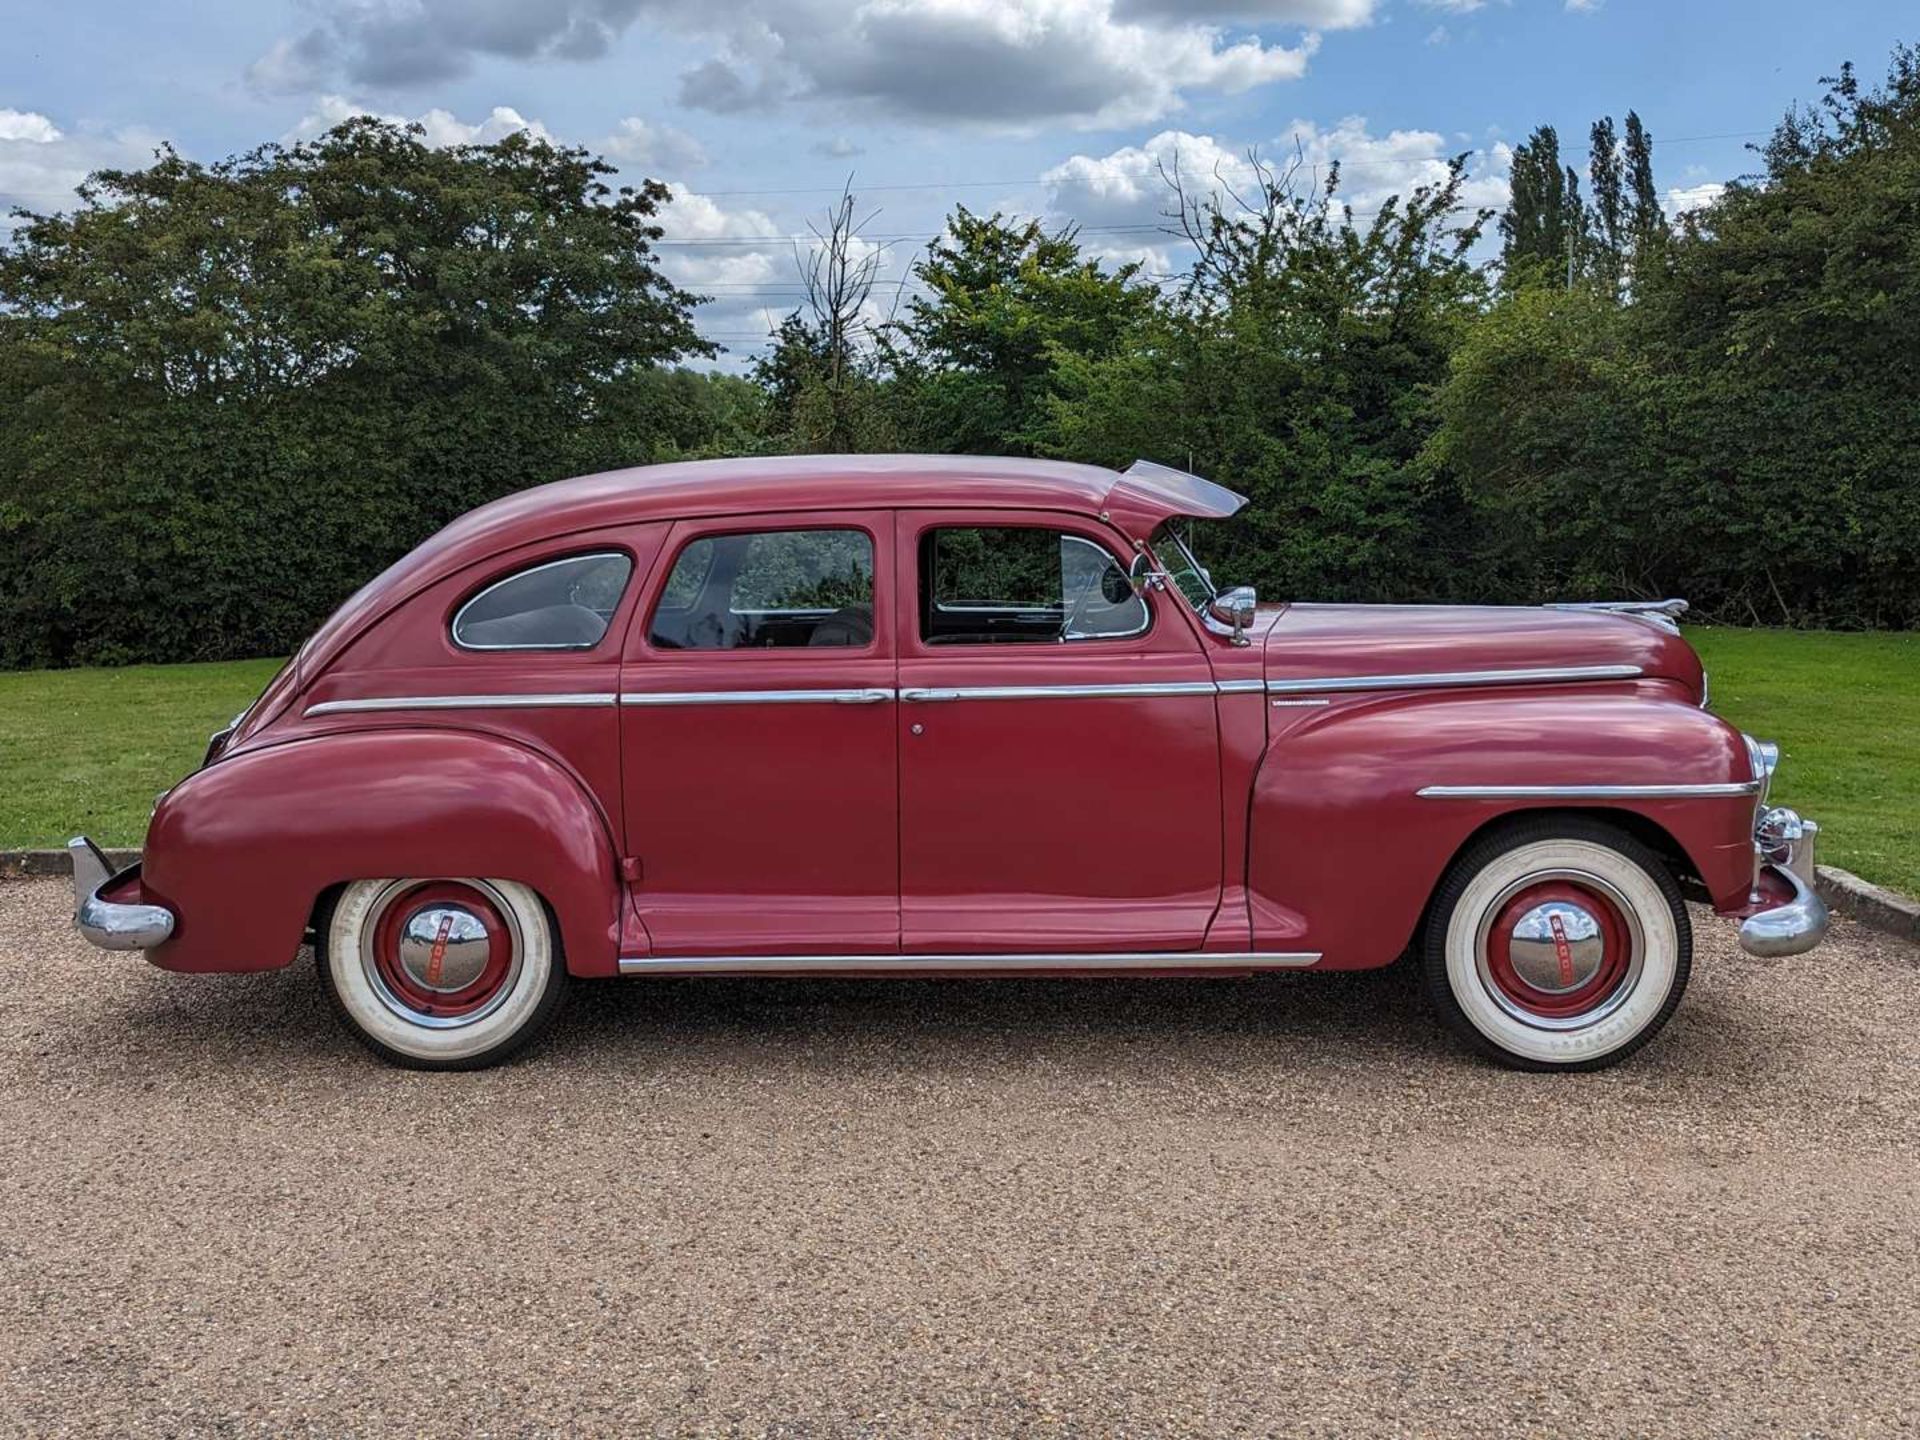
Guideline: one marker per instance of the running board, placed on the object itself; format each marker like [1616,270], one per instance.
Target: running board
[1083,962]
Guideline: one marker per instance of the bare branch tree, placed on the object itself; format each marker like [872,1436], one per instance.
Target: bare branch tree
[838,275]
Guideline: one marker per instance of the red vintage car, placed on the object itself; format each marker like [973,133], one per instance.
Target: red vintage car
[947,716]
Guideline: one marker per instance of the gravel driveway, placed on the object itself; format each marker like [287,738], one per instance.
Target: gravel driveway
[891,1208]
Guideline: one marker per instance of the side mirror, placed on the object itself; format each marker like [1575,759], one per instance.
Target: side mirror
[1235,609]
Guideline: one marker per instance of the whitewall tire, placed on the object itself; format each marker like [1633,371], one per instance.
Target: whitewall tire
[1558,944]
[441,974]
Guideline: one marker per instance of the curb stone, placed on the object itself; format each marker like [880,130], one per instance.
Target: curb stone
[1872,905]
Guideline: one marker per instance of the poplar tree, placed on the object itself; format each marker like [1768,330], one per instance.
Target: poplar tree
[1646,220]
[1545,222]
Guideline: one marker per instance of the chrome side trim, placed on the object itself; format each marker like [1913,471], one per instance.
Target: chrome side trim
[460,702]
[1240,687]
[1587,792]
[105,923]
[1058,692]
[1428,680]
[852,964]
[871,696]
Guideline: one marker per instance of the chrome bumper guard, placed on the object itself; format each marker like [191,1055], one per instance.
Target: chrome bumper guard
[107,923]
[1784,844]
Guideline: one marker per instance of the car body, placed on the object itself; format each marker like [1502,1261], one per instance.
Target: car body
[897,715]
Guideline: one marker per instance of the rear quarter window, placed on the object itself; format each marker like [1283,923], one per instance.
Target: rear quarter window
[555,605]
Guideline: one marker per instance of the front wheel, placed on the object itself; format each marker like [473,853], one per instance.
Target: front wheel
[441,974]
[1557,944]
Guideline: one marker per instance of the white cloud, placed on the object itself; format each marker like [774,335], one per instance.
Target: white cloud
[442,127]
[645,145]
[1583,7]
[1682,198]
[1123,195]
[26,125]
[996,64]
[1309,14]
[40,164]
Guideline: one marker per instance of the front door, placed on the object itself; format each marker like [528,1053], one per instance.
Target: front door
[1059,752]
[757,739]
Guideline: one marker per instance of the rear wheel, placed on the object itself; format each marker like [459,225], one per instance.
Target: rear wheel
[1558,944]
[441,974]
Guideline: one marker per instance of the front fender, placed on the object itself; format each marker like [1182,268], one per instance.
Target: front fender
[240,850]
[1344,852]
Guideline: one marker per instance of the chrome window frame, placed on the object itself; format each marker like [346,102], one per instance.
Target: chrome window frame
[453,625]
[657,606]
[965,606]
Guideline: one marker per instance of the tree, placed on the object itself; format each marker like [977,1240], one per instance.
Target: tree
[1744,430]
[821,377]
[1610,243]
[229,393]
[1543,230]
[1297,366]
[1784,332]
[975,359]
[1647,225]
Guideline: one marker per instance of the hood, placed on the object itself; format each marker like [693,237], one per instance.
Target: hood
[1322,642]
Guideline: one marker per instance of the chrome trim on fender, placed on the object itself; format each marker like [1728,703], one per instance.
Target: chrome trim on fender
[873,695]
[1076,960]
[1588,792]
[1240,687]
[459,702]
[920,695]
[1448,679]
[105,923]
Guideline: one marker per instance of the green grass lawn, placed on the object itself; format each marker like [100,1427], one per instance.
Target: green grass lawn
[1846,711]
[89,749]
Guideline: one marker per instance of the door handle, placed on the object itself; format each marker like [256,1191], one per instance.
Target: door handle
[863,697]
[924,697]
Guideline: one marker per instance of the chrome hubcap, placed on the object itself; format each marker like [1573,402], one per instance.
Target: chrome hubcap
[1557,947]
[444,948]
[441,954]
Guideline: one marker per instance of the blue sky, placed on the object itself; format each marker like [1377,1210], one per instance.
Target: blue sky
[754,110]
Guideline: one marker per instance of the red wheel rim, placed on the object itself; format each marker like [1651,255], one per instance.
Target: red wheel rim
[1558,949]
[442,950]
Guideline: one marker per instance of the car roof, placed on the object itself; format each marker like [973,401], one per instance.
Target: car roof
[1135,502]
[788,482]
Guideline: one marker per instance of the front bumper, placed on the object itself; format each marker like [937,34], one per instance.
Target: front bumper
[112,924]
[1783,843]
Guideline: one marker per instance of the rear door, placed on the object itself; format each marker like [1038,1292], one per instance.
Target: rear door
[1059,750]
[758,739]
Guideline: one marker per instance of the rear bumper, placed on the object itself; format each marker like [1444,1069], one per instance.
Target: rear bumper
[113,924]
[1784,844]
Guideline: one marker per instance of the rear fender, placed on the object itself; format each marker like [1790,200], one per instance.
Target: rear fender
[1344,852]
[241,850]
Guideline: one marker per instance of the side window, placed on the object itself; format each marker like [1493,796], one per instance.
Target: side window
[557,605]
[991,584]
[767,590]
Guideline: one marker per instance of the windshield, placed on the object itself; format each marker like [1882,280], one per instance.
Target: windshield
[1188,575]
